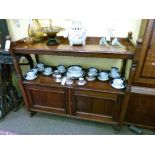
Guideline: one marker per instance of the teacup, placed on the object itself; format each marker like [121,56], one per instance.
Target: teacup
[35,70]
[114,70]
[92,72]
[103,75]
[118,82]
[48,70]
[61,68]
[30,75]
[40,67]
[115,75]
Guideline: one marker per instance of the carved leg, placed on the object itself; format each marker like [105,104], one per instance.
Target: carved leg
[124,108]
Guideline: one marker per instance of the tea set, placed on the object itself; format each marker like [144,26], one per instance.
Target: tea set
[64,75]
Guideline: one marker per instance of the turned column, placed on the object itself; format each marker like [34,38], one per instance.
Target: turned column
[19,76]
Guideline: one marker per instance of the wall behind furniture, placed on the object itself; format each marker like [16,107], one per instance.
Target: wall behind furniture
[95,27]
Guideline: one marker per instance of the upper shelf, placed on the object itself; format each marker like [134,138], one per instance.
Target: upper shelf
[91,49]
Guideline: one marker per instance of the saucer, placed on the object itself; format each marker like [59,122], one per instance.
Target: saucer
[116,87]
[90,78]
[47,74]
[81,82]
[62,71]
[102,79]
[31,78]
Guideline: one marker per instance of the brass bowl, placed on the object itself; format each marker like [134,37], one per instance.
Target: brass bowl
[51,33]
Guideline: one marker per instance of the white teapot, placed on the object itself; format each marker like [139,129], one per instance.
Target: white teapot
[77,34]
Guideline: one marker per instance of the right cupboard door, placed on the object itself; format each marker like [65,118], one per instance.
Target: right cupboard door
[103,107]
[146,68]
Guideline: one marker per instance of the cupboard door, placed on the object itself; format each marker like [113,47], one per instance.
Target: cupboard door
[149,65]
[48,99]
[141,110]
[96,106]
[145,73]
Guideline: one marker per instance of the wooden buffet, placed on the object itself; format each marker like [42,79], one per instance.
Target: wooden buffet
[96,100]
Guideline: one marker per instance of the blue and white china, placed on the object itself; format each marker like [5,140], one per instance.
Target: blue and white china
[61,69]
[56,72]
[75,72]
[35,70]
[114,73]
[118,83]
[103,76]
[92,72]
[30,76]
[81,81]
[48,71]
[69,81]
[90,78]
[40,67]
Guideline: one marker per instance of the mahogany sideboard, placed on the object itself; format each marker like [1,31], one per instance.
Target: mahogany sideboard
[96,100]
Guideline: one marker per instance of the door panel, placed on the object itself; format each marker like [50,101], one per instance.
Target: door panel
[95,105]
[47,98]
[149,65]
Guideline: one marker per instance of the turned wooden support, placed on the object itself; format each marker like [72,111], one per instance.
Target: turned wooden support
[20,77]
[130,35]
[127,93]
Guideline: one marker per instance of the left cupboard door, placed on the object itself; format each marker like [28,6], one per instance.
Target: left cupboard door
[47,99]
